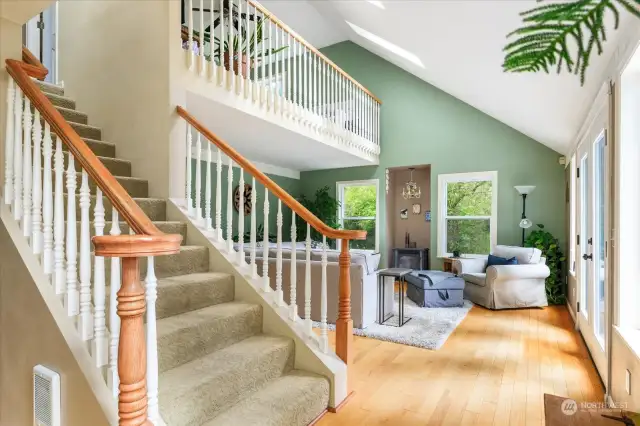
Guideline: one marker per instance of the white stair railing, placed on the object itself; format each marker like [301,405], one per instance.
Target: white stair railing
[43,197]
[242,250]
[274,68]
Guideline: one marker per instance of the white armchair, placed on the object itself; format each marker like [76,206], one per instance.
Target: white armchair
[505,286]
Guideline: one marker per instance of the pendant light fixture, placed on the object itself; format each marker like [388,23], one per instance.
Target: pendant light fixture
[411,190]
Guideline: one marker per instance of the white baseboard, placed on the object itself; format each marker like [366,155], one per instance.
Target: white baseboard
[572,313]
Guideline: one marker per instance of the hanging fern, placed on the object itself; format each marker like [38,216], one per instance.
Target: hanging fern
[563,35]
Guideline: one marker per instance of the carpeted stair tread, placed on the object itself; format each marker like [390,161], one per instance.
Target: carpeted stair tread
[61,101]
[49,87]
[197,391]
[186,337]
[189,292]
[116,166]
[154,208]
[294,399]
[73,116]
[135,187]
[87,131]
[100,148]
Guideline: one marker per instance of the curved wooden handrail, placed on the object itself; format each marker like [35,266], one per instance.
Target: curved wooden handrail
[39,71]
[111,188]
[283,195]
[299,38]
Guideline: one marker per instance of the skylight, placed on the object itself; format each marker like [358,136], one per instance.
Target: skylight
[376,3]
[387,45]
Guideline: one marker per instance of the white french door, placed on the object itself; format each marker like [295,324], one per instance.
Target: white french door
[592,270]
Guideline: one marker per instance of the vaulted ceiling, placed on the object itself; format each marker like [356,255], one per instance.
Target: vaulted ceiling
[459,43]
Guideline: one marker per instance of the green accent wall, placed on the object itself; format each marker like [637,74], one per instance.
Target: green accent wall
[421,124]
[292,186]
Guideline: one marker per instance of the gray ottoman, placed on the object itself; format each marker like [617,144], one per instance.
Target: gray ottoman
[435,289]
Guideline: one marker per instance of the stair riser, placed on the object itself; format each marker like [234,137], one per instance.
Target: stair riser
[154,209]
[61,102]
[99,148]
[70,115]
[88,132]
[135,188]
[183,263]
[116,167]
[211,398]
[175,300]
[185,345]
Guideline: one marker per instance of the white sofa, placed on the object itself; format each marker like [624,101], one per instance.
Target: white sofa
[505,286]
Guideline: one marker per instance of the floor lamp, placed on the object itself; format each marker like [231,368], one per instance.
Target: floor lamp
[525,223]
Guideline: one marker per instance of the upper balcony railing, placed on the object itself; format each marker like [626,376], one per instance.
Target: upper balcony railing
[240,45]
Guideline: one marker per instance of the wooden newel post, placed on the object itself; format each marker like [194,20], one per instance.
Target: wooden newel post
[344,323]
[132,350]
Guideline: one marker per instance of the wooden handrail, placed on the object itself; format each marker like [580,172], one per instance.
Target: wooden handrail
[283,195]
[29,58]
[299,38]
[296,36]
[109,185]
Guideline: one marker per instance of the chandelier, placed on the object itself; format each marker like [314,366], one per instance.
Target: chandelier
[411,190]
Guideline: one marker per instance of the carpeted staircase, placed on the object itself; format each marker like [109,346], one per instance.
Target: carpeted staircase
[216,366]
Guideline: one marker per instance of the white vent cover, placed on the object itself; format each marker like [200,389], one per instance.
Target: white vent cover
[46,397]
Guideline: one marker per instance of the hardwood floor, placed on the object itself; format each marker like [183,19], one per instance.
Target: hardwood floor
[493,370]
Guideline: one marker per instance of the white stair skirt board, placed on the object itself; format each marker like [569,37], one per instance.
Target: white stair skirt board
[65,324]
[429,328]
[308,350]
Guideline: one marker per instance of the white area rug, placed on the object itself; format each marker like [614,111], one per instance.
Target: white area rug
[429,328]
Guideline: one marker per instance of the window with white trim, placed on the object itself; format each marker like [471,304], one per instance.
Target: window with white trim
[359,207]
[467,213]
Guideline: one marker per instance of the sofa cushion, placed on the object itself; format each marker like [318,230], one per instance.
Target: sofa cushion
[477,278]
[525,255]
[498,261]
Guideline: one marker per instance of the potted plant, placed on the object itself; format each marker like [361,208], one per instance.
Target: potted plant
[550,247]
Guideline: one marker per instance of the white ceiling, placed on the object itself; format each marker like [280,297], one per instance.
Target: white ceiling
[460,44]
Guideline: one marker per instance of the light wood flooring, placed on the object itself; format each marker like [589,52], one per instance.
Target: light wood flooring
[493,370]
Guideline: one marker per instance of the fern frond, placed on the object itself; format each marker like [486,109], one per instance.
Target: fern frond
[563,35]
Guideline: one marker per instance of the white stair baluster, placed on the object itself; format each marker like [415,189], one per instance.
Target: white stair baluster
[254,192]
[100,343]
[114,320]
[324,339]
[8,144]
[293,307]
[240,53]
[85,321]
[188,177]
[47,202]
[218,234]
[198,178]
[207,193]
[203,62]
[316,85]
[255,94]
[289,90]
[240,260]
[232,54]
[279,300]
[26,170]
[230,207]
[151,293]
[213,73]
[36,182]
[307,284]
[59,274]
[71,296]
[190,42]
[265,244]
[17,155]
[296,64]
[276,95]
[305,81]
[263,77]
[221,71]
[271,80]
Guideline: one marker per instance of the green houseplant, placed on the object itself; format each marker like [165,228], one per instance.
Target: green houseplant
[548,244]
[325,207]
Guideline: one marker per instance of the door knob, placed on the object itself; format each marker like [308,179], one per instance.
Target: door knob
[587,256]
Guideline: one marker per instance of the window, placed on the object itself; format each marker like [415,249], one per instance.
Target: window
[467,213]
[359,210]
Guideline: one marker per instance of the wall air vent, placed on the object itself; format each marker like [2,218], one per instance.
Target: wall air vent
[46,397]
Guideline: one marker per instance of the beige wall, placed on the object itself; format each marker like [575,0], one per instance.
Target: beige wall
[415,224]
[29,336]
[115,60]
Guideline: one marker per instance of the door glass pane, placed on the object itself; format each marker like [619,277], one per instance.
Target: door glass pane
[598,251]
[470,236]
[585,235]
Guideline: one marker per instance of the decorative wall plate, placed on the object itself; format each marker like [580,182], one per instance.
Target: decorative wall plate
[247,198]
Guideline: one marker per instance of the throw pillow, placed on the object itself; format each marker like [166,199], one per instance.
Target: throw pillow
[498,261]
